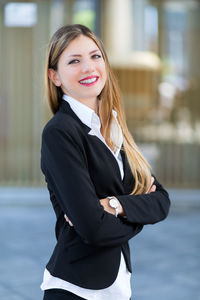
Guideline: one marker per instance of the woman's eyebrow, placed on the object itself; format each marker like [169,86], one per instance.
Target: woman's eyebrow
[91,52]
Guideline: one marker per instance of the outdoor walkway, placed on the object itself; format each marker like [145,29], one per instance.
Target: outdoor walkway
[165,256]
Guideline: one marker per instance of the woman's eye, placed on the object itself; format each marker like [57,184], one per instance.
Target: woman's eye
[74,61]
[95,56]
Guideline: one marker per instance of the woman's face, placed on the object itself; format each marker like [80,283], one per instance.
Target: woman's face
[81,71]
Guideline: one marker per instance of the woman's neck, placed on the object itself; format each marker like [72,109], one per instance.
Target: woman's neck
[91,103]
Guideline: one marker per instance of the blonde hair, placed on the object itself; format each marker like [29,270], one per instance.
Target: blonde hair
[110,99]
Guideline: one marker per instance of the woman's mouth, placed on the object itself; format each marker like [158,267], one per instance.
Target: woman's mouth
[88,81]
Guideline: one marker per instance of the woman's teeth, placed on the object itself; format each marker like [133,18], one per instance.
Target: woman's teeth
[89,80]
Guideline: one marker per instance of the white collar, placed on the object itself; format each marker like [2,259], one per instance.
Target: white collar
[92,120]
[83,112]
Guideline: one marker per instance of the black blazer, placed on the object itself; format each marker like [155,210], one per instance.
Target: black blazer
[79,170]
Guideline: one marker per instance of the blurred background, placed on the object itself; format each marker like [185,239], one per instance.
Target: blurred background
[154,48]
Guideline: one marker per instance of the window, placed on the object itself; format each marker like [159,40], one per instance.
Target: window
[20,14]
[151,28]
[84,13]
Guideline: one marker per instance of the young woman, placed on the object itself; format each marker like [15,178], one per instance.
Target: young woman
[100,185]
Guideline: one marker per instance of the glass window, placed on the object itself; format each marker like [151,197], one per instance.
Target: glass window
[18,14]
[151,28]
[84,13]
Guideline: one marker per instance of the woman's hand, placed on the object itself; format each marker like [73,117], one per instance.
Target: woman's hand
[105,203]
[68,220]
[152,187]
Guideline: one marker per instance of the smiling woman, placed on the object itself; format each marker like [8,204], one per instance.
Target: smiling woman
[100,185]
[81,65]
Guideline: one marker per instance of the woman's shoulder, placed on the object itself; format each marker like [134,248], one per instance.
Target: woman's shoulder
[62,123]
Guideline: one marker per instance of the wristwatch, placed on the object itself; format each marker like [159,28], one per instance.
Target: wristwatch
[114,203]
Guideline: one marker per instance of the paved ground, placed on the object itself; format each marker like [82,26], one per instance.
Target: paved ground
[166,256]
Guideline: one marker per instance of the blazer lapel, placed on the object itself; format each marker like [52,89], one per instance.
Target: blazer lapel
[65,108]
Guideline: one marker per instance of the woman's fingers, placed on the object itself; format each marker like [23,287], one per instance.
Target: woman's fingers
[152,180]
[68,220]
[105,203]
[152,187]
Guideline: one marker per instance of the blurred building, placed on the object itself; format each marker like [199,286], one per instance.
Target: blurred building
[153,46]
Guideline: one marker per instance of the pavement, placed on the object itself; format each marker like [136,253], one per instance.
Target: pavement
[165,256]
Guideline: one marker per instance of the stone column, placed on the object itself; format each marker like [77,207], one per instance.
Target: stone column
[117,27]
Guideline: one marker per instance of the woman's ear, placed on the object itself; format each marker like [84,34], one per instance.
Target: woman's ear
[54,77]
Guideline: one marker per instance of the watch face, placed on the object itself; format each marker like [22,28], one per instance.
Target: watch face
[114,203]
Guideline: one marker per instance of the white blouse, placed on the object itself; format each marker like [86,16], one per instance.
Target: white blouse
[121,288]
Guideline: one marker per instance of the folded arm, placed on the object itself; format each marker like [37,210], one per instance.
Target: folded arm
[65,167]
[147,208]
[121,213]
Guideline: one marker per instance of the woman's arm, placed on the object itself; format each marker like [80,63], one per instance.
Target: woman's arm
[105,202]
[65,168]
[147,208]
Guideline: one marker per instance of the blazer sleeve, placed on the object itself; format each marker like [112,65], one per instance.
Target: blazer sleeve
[65,168]
[146,208]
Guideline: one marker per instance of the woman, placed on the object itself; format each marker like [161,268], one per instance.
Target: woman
[100,185]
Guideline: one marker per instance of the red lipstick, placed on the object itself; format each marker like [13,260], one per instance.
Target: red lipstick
[89,80]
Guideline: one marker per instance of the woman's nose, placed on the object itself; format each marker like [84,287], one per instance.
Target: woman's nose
[87,66]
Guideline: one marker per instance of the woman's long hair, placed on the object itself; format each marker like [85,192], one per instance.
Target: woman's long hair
[110,99]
